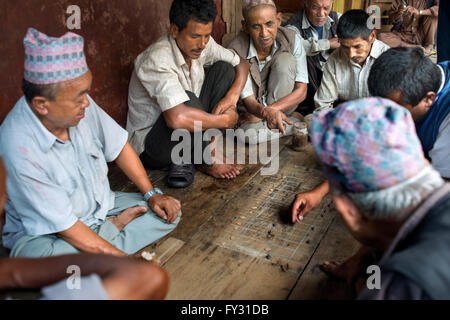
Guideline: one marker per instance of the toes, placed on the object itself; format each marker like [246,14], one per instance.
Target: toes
[142,209]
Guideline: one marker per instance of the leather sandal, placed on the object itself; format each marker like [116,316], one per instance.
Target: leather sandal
[181,175]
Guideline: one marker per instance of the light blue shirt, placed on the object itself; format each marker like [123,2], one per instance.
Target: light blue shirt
[52,184]
[300,59]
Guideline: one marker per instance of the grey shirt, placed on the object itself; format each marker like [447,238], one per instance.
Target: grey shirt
[52,184]
[395,286]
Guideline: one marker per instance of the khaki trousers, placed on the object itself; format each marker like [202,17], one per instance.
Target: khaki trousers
[425,35]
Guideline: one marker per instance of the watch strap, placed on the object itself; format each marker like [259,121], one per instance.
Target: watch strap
[151,193]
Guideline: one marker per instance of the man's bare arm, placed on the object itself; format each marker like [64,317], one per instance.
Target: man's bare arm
[183,117]
[86,240]
[232,97]
[128,161]
[292,99]
[122,278]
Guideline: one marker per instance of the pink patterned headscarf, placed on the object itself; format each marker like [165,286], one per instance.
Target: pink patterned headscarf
[52,60]
[367,145]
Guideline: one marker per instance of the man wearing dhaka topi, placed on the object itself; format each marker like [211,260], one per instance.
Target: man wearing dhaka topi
[56,143]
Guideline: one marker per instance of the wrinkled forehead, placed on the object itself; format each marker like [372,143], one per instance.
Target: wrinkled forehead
[248,5]
[318,3]
[261,15]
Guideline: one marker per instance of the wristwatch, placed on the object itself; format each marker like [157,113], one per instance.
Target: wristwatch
[151,193]
[420,12]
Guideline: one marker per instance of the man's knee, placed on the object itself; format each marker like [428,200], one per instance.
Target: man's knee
[156,281]
[41,247]
[177,220]
[225,69]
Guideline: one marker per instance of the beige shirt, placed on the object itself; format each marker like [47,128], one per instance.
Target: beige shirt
[160,80]
[344,79]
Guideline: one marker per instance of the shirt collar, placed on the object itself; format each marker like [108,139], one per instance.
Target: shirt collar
[252,53]
[44,137]
[306,24]
[443,78]
[377,49]
[178,56]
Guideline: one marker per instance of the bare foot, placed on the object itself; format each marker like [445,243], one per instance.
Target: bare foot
[223,168]
[222,171]
[127,216]
[428,50]
[347,270]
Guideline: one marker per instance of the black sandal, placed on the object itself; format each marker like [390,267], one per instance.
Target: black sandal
[181,175]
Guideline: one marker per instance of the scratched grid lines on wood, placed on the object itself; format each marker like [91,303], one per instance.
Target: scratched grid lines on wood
[259,231]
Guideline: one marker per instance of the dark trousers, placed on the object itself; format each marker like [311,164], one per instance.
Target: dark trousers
[315,78]
[158,145]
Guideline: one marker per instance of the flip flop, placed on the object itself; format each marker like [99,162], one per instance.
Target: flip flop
[180,176]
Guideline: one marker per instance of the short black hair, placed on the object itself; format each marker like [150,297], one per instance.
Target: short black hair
[182,11]
[407,70]
[32,90]
[354,24]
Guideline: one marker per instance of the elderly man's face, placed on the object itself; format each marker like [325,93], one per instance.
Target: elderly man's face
[262,25]
[317,11]
[359,227]
[357,50]
[193,39]
[70,104]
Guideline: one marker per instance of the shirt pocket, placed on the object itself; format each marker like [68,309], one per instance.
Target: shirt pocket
[97,159]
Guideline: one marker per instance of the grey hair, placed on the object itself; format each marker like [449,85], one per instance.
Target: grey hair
[308,2]
[396,202]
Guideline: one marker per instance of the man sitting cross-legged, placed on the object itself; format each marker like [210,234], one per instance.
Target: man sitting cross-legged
[278,74]
[169,91]
[101,276]
[56,143]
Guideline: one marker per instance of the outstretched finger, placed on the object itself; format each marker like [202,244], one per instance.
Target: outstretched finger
[286,119]
[281,126]
[296,210]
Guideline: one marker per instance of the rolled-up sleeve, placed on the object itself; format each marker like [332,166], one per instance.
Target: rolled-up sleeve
[43,206]
[248,89]
[328,91]
[435,9]
[301,74]
[311,45]
[215,52]
[161,82]
[111,135]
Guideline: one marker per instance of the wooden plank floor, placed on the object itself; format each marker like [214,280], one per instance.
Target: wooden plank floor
[234,243]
